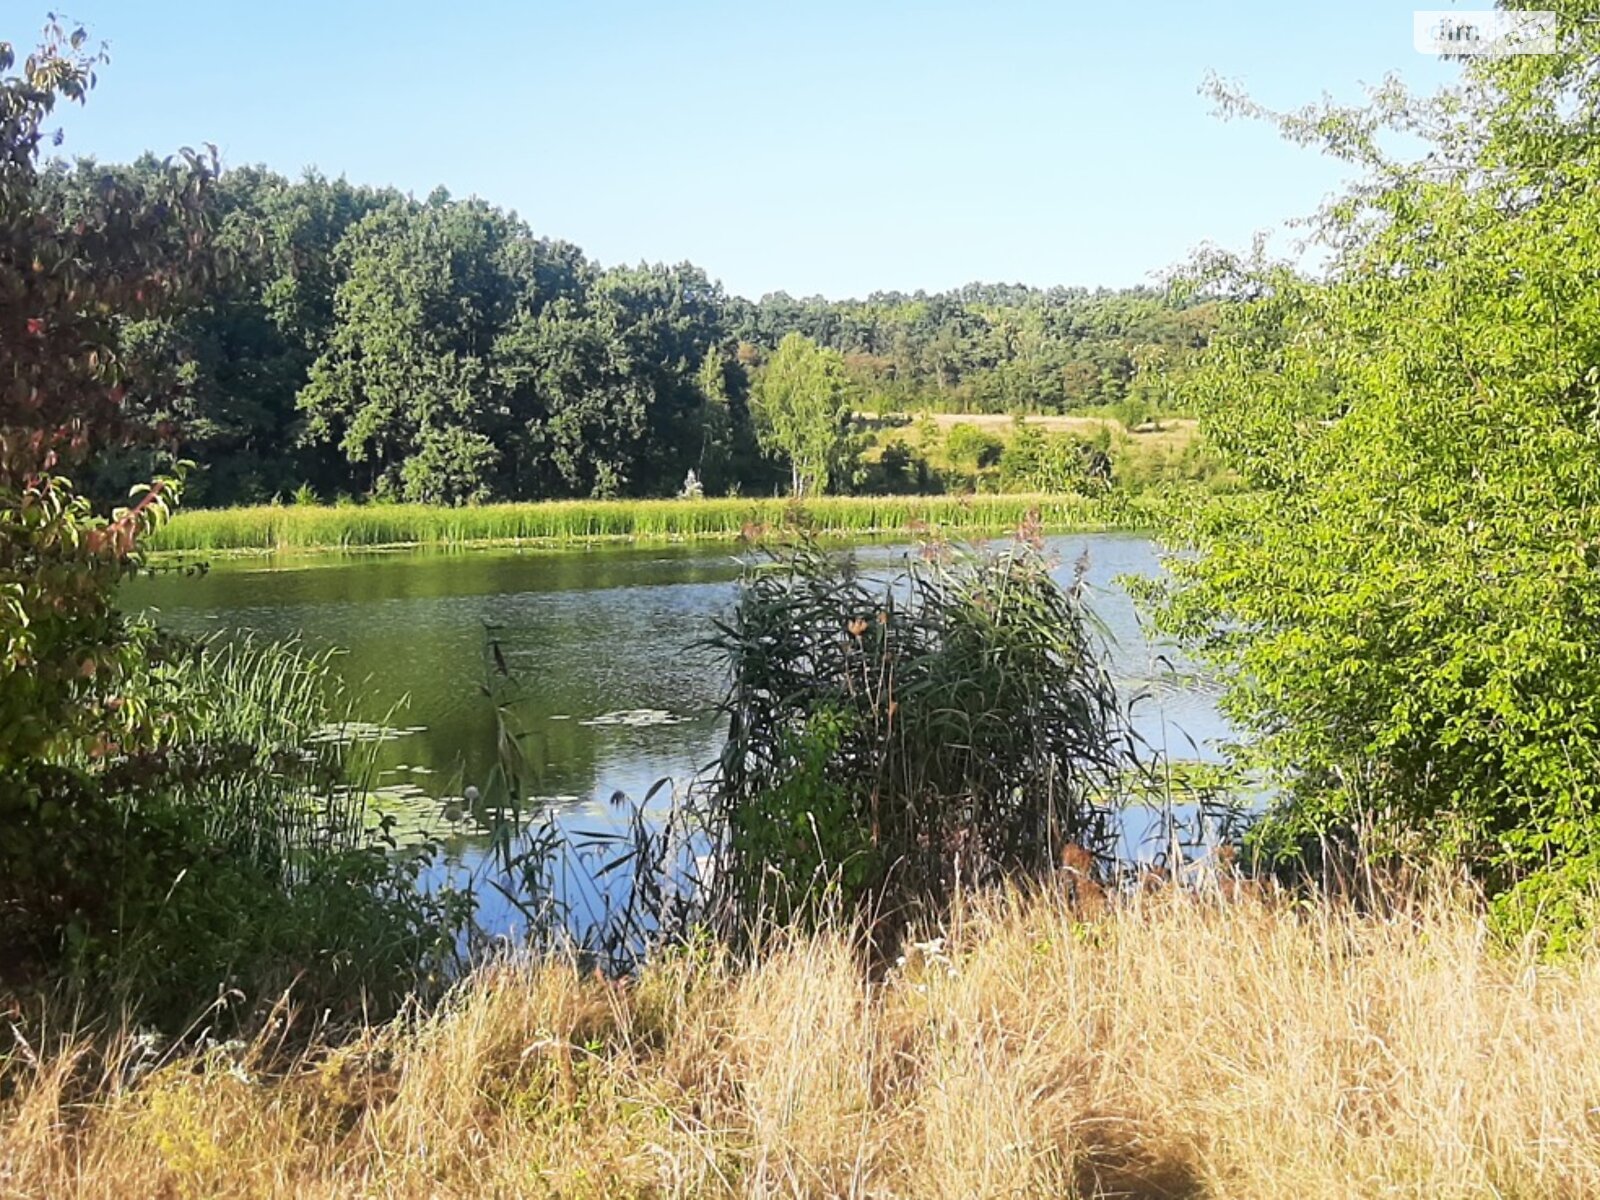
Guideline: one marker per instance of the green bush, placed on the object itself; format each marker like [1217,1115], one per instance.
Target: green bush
[227,865]
[1406,602]
[899,471]
[806,832]
[212,941]
[971,448]
[1134,412]
[1034,462]
[1140,469]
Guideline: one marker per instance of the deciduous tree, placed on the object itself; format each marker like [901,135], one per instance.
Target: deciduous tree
[803,412]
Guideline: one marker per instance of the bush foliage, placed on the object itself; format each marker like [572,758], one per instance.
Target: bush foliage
[168,840]
[1407,602]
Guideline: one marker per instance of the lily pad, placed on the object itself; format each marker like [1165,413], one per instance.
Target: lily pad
[636,718]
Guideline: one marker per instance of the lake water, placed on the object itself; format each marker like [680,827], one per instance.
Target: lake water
[617,693]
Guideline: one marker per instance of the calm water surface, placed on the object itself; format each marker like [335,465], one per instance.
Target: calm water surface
[617,691]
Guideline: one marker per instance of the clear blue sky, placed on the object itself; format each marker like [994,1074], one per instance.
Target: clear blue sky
[817,147]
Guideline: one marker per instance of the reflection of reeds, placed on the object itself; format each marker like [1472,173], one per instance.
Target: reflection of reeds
[1176,1047]
[274,527]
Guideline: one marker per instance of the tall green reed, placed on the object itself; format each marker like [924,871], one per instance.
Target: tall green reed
[295,527]
[261,712]
[891,740]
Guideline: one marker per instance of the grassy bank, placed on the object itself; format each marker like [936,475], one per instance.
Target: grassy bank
[1174,1048]
[308,527]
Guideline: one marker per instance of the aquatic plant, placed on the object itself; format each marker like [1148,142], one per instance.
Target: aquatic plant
[296,527]
[892,738]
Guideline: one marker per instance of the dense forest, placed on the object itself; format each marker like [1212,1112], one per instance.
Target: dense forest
[359,342]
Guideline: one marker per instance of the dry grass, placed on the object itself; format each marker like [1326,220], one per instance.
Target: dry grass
[1173,1048]
[1173,433]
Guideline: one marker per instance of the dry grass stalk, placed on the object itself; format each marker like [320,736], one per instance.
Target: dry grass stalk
[1177,1046]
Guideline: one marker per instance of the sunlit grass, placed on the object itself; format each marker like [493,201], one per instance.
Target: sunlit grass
[1177,1047]
[289,527]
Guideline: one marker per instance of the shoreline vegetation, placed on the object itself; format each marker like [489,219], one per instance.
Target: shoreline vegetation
[267,529]
[1034,1050]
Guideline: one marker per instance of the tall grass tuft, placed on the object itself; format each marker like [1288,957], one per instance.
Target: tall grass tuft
[277,795]
[890,739]
[304,527]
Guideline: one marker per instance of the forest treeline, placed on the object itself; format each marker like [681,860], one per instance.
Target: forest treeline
[360,342]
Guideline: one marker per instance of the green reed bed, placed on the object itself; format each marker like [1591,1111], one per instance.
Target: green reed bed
[279,527]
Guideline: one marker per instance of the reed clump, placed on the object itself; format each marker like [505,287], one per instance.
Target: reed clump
[892,739]
[1176,1046]
[308,527]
